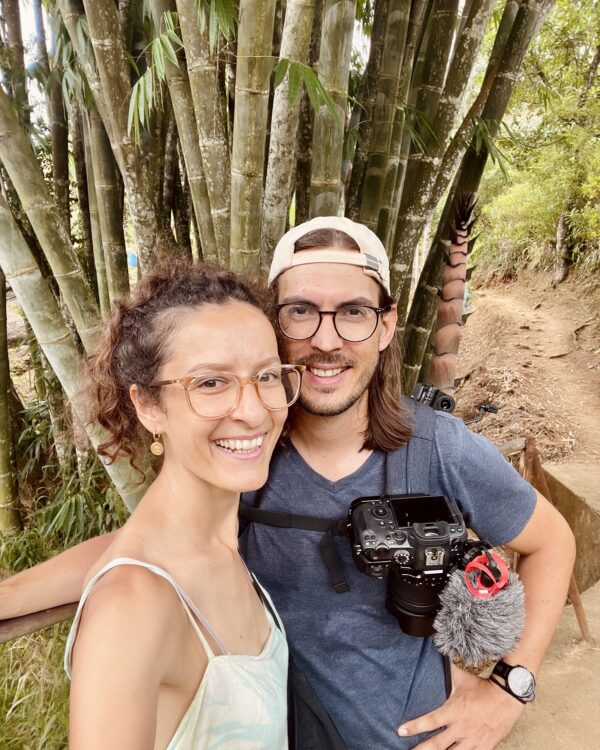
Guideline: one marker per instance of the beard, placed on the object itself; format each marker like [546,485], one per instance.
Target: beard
[324,403]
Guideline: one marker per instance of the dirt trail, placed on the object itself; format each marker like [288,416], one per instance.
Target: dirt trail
[534,351]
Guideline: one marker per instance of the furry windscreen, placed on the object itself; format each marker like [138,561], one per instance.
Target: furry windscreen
[473,631]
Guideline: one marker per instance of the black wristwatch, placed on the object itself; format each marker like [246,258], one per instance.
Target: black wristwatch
[517,681]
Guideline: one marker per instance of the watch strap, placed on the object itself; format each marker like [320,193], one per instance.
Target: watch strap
[502,669]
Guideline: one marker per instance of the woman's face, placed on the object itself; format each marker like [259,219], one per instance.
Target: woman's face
[232,338]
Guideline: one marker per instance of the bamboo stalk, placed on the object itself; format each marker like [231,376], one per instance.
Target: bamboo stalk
[252,83]
[383,115]
[295,44]
[19,161]
[39,305]
[109,206]
[328,132]
[9,517]
[180,92]
[211,120]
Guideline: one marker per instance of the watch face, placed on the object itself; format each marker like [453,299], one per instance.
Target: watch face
[521,681]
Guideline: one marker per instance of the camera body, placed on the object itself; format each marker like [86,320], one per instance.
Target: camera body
[415,541]
[432,396]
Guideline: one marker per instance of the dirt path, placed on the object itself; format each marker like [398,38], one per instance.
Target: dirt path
[534,351]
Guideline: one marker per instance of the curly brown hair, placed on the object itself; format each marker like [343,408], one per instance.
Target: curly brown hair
[136,341]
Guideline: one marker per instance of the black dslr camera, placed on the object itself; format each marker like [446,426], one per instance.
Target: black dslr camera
[416,541]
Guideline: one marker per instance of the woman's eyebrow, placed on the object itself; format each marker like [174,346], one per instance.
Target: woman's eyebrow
[228,367]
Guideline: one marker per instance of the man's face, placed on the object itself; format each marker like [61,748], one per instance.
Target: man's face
[338,371]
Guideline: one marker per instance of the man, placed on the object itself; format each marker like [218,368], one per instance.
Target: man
[383,688]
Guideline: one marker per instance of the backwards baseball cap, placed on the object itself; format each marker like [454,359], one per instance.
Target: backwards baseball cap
[372,256]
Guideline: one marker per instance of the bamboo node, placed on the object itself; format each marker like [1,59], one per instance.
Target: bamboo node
[22,272]
[49,342]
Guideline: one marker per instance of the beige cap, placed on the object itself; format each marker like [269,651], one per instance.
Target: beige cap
[372,256]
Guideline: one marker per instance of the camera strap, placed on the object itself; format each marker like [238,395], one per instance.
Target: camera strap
[406,470]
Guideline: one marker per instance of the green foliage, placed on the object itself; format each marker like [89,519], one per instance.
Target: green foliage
[34,692]
[147,91]
[546,161]
[299,74]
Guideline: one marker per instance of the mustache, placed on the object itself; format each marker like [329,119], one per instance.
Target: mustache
[324,359]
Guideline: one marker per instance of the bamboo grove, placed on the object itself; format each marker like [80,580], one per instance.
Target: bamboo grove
[202,128]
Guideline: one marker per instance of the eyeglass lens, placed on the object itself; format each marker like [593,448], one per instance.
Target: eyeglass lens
[216,394]
[352,322]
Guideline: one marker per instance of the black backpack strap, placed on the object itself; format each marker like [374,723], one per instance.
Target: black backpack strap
[329,527]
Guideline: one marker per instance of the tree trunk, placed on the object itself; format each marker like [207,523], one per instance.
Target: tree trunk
[39,305]
[110,208]
[252,83]
[20,163]
[16,65]
[99,263]
[82,194]
[383,114]
[365,106]
[183,108]
[211,119]
[9,516]
[299,16]
[328,131]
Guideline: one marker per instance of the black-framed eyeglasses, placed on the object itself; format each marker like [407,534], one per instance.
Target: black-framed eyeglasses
[213,395]
[354,323]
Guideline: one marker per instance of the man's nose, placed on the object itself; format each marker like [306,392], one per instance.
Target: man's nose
[327,339]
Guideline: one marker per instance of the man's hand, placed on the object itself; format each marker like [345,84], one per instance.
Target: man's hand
[477,716]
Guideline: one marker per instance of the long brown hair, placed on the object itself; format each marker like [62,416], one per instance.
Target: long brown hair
[389,424]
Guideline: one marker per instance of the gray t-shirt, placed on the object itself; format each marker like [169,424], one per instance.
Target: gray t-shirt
[370,675]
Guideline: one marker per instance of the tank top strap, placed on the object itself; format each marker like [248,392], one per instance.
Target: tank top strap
[266,600]
[190,608]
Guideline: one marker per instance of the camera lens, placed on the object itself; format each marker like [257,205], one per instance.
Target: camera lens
[380,512]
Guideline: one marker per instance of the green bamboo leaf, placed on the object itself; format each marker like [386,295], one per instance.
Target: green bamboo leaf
[168,49]
[330,104]
[158,58]
[133,108]
[295,80]
[151,87]
[225,13]
[310,81]
[281,70]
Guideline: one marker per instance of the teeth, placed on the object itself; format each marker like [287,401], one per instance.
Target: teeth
[242,446]
[325,373]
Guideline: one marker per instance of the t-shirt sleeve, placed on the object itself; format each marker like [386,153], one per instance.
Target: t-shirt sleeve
[497,501]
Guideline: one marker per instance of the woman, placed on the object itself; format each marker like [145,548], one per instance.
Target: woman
[172,645]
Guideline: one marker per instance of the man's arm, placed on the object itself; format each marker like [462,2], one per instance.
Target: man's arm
[51,583]
[480,714]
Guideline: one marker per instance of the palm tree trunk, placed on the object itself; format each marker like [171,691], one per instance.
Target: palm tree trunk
[39,305]
[252,84]
[9,517]
[328,132]
[295,44]
[20,163]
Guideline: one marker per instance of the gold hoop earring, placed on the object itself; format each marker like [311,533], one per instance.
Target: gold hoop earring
[156,446]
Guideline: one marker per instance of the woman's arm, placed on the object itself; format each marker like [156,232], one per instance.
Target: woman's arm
[51,583]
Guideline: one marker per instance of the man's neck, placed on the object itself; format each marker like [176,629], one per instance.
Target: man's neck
[332,446]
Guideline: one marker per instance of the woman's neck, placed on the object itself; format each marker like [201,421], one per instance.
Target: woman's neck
[189,514]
